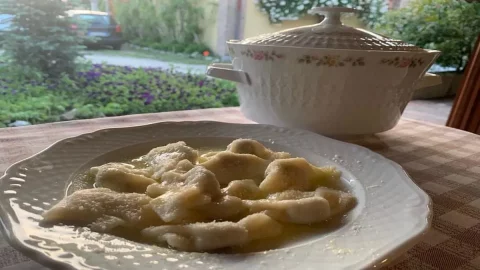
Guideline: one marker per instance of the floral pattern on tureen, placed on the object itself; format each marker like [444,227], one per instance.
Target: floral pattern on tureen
[262,55]
[331,60]
[403,62]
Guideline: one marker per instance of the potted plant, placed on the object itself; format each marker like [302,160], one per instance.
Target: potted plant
[450,26]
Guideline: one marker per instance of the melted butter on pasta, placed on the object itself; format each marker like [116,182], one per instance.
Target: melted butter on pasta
[245,197]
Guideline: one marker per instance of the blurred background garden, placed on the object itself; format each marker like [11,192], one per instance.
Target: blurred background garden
[76,59]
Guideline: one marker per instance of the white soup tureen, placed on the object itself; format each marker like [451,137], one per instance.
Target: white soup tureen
[328,77]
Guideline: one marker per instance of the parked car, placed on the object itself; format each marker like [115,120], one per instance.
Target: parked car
[100,26]
[5,24]
[5,21]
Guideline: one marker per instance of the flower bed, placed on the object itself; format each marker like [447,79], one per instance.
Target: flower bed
[109,91]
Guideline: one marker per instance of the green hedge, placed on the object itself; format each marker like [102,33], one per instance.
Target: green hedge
[450,26]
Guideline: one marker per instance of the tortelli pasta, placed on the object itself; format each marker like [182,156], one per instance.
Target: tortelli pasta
[204,202]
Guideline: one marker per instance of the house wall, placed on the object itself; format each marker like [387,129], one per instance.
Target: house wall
[210,24]
[228,12]
[239,19]
[257,22]
[220,24]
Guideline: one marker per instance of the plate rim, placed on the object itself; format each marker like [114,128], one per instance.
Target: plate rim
[393,252]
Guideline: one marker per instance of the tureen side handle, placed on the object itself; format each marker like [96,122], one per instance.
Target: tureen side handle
[227,72]
[429,79]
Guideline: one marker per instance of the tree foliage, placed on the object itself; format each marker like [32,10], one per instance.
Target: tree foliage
[450,26]
[41,38]
[161,20]
[279,10]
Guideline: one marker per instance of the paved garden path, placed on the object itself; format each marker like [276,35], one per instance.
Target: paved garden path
[99,58]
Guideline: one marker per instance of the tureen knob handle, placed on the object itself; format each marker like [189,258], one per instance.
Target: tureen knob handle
[332,14]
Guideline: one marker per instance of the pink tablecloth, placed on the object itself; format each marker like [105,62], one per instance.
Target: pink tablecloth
[444,162]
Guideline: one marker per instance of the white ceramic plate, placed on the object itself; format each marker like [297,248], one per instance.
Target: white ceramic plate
[391,215]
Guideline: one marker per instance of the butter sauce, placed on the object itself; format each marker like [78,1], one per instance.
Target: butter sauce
[292,234]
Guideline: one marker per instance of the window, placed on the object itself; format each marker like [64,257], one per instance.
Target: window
[140,56]
[5,21]
[94,20]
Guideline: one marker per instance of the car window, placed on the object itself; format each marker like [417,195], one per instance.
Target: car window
[5,21]
[95,20]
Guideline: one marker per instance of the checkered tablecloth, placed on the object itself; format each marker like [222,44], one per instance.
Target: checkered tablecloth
[444,162]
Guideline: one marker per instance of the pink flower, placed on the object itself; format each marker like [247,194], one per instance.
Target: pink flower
[405,62]
[258,55]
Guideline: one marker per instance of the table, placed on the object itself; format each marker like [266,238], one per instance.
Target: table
[444,162]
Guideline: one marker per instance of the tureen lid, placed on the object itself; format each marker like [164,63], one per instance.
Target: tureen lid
[331,34]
